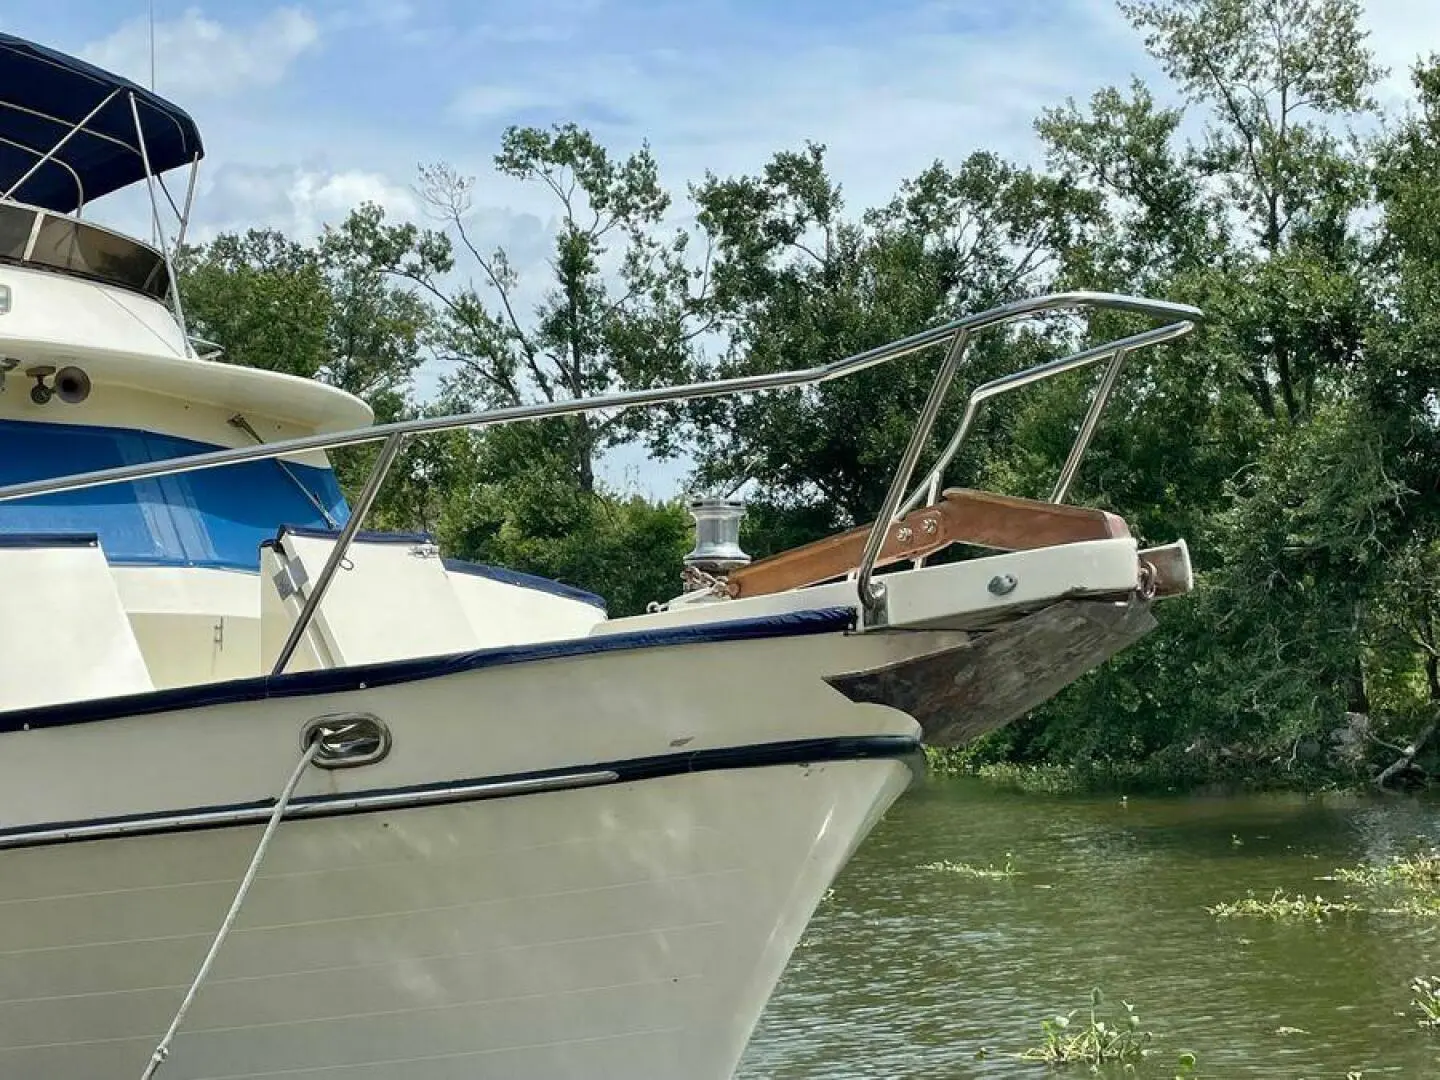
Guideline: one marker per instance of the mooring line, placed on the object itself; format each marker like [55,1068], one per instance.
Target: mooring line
[162,1049]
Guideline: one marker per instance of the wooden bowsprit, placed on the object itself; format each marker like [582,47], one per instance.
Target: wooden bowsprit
[959,693]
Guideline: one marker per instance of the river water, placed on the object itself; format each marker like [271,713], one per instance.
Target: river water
[911,972]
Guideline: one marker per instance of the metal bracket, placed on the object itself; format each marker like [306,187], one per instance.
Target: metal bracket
[291,577]
[346,740]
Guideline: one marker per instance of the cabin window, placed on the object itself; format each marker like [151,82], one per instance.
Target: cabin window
[15,226]
[78,247]
[213,517]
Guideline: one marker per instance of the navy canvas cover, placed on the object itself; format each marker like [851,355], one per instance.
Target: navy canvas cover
[44,94]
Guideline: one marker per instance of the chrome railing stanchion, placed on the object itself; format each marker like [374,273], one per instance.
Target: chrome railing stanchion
[930,485]
[1087,427]
[872,595]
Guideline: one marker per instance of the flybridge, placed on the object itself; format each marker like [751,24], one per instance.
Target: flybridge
[71,133]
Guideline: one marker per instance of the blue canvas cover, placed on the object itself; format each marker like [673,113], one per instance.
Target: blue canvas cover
[44,94]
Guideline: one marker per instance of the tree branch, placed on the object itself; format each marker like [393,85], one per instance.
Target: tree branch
[1238,118]
[520,336]
[802,247]
[1407,758]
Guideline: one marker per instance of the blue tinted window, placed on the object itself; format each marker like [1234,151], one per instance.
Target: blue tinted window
[214,517]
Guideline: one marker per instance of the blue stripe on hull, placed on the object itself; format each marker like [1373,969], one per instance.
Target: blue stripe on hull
[377,800]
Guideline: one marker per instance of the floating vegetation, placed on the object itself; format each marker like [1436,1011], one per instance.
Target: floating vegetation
[1419,907]
[1033,779]
[1095,1041]
[1426,989]
[1280,905]
[1419,871]
[989,873]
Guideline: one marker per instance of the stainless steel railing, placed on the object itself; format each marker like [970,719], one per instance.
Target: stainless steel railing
[872,593]
[957,333]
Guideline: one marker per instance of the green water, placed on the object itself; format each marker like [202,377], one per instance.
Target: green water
[909,972]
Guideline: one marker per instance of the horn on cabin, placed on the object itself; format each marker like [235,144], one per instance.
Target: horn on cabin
[72,385]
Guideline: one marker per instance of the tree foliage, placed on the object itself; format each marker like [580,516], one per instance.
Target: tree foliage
[623,306]
[797,282]
[1294,440]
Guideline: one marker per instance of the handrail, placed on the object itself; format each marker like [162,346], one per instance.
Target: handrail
[516,413]
[1015,380]
[957,331]
[872,593]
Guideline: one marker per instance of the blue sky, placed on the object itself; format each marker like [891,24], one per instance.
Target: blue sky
[309,107]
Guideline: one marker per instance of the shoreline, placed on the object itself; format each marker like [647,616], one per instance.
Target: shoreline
[1158,777]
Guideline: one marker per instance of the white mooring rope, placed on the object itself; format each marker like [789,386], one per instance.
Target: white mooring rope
[162,1049]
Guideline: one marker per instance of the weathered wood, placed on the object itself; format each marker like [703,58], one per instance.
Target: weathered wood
[959,693]
[961,517]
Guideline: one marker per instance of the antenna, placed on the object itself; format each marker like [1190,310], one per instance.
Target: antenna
[154,218]
[152,46]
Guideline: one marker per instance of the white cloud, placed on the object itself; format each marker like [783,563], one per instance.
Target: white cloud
[535,22]
[483,102]
[885,104]
[196,56]
[1401,32]
[385,14]
[297,199]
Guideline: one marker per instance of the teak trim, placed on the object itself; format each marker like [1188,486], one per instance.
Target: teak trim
[961,516]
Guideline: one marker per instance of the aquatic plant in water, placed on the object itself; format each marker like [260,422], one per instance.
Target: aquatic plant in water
[991,872]
[1426,989]
[1097,1042]
[1280,905]
[1418,871]
[1412,881]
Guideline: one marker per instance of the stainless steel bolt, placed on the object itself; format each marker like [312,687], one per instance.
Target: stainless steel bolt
[1001,584]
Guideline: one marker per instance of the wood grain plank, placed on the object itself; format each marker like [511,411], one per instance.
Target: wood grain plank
[962,516]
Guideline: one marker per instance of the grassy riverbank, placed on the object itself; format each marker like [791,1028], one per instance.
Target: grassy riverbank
[1162,774]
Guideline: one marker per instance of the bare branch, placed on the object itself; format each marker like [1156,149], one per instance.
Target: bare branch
[526,346]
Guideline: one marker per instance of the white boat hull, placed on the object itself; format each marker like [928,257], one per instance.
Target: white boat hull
[632,930]
[454,910]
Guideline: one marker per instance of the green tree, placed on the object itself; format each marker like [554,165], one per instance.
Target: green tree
[625,303]
[262,297]
[1399,387]
[797,281]
[519,507]
[309,310]
[1301,510]
[619,307]
[1276,76]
